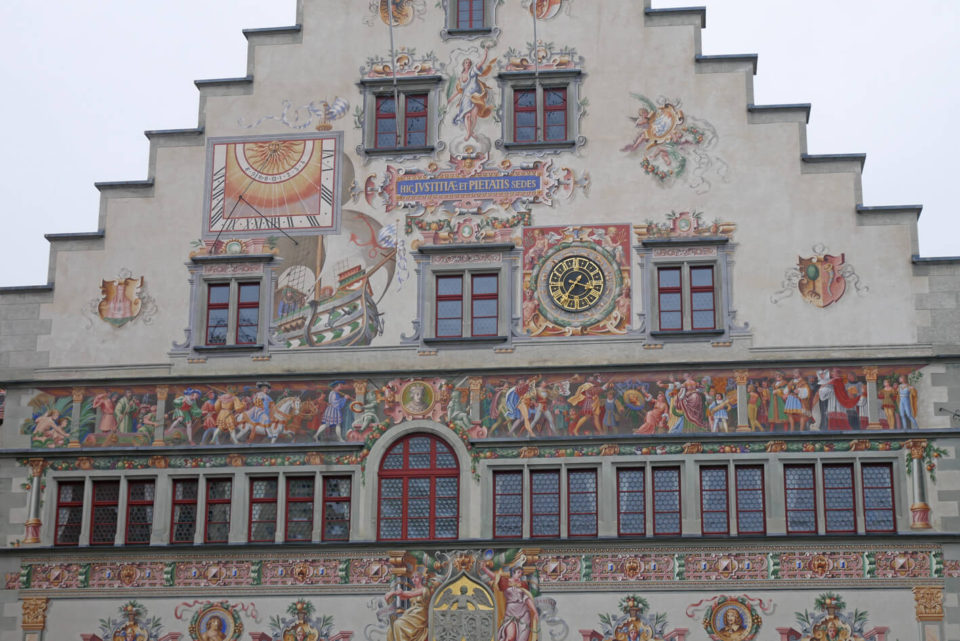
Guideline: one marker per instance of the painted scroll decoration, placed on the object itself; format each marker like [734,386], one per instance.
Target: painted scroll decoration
[545,56]
[684,224]
[674,147]
[322,112]
[821,279]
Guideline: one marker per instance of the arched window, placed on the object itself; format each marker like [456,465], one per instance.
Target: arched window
[419,490]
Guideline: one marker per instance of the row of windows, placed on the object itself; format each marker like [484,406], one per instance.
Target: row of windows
[263,513]
[543,501]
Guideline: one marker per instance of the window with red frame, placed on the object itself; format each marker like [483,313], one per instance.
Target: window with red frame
[299,508]
[248,313]
[449,306]
[483,299]
[631,511]
[751,504]
[508,504]
[218,313]
[217,524]
[336,508]
[839,505]
[470,14]
[554,114]
[714,507]
[545,503]
[525,115]
[183,521]
[666,501]
[419,482]
[581,503]
[415,120]
[69,513]
[263,510]
[106,505]
[702,303]
[140,495]
[801,499]
[879,514]
[670,298]
[385,136]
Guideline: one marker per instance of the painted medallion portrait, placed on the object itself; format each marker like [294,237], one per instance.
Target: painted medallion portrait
[417,398]
[731,620]
[216,623]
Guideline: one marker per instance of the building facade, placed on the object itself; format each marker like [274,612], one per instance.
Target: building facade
[484,320]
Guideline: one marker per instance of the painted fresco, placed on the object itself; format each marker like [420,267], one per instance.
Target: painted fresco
[831,621]
[673,146]
[547,9]
[731,618]
[468,93]
[404,12]
[545,56]
[551,286]
[122,300]
[528,406]
[321,112]
[684,224]
[134,624]
[821,279]
[634,622]
[329,287]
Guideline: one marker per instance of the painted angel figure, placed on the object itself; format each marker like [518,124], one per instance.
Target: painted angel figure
[473,94]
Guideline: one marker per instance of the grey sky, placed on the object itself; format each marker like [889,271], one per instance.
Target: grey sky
[84,80]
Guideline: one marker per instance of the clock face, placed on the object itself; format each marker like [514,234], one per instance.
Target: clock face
[576,283]
[265,186]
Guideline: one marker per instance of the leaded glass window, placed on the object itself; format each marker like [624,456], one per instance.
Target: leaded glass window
[800,496]
[839,508]
[714,514]
[545,503]
[299,508]
[631,510]
[103,522]
[219,494]
[666,500]
[336,508]
[183,523]
[69,513]
[263,509]
[508,504]
[878,508]
[582,503]
[751,517]
[140,495]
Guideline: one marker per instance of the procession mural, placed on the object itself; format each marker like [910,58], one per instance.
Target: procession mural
[404,12]
[674,147]
[821,279]
[586,295]
[121,301]
[321,112]
[731,618]
[684,224]
[521,406]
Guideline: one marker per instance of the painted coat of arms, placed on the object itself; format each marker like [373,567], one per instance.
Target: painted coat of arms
[120,300]
[821,279]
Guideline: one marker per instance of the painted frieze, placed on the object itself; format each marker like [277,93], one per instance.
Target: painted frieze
[809,399]
[673,146]
[576,280]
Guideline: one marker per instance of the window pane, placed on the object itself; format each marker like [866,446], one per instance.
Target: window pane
[300,488]
[219,294]
[554,97]
[386,140]
[449,285]
[556,118]
[416,103]
[669,278]
[485,307]
[185,490]
[526,134]
[485,284]
[219,489]
[526,118]
[448,327]
[263,511]
[249,292]
[417,139]
[264,489]
[703,320]
[385,105]
[525,98]
[141,490]
[418,123]
[484,326]
[449,309]
[701,277]
[702,300]
[556,132]
[248,316]
[669,302]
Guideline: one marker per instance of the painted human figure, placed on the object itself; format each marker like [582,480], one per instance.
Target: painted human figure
[907,395]
[412,624]
[718,409]
[472,93]
[611,406]
[792,407]
[753,407]
[588,408]
[120,306]
[106,403]
[214,630]
[732,626]
[369,413]
[186,412]
[542,407]
[260,415]
[520,401]
[333,415]
[228,405]
[50,426]
[655,415]
[519,620]
[125,411]
[690,403]
[457,414]
[888,403]
[855,390]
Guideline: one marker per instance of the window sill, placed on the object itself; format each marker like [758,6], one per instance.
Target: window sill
[523,146]
[465,340]
[470,32]
[389,151]
[688,333]
[229,348]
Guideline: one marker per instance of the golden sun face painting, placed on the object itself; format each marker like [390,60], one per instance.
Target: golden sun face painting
[265,186]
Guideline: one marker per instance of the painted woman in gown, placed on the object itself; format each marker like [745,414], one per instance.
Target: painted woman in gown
[519,612]
[412,624]
[473,94]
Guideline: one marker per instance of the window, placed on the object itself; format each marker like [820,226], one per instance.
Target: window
[631,509]
[801,503]
[541,111]
[751,517]
[103,521]
[469,14]
[839,509]
[714,510]
[336,508]
[693,285]
[232,313]
[666,501]
[508,504]
[582,503]
[419,490]
[217,524]
[183,523]
[878,509]
[69,513]
[414,121]
[263,510]
[469,18]
[466,306]
[400,119]
[299,508]
[449,306]
[545,503]
[140,496]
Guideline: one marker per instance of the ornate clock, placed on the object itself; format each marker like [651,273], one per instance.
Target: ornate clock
[265,186]
[577,284]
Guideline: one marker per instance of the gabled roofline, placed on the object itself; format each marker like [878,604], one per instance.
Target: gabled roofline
[223,82]
[828,158]
[890,209]
[696,11]
[797,107]
[725,62]
[291,30]
[935,260]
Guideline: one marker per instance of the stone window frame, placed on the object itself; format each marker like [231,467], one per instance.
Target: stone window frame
[452,30]
[374,88]
[513,81]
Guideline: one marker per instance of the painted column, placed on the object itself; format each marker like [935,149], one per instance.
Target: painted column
[929,609]
[919,510]
[75,418]
[34,619]
[476,387]
[743,422]
[873,401]
[162,391]
[32,525]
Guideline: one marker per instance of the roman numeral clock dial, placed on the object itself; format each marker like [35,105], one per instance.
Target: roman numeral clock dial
[577,284]
[263,186]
